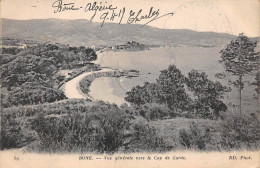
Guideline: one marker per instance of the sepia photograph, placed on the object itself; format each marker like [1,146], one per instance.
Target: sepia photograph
[127,83]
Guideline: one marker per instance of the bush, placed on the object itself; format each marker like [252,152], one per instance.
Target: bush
[140,95]
[102,128]
[185,138]
[16,133]
[240,131]
[144,139]
[29,94]
[84,85]
[92,132]
[154,111]
[12,50]
[232,133]
[195,137]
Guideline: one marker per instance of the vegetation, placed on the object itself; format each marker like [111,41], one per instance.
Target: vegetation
[154,111]
[78,126]
[234,132]
[83,132]
[13,50]
[31,76]
[240,58]
[84,126]
[169,90]
[31,94]
[16,132]
[176,112]
[240,131]
[207,103]
[85,84]
[195,137]
[257,82]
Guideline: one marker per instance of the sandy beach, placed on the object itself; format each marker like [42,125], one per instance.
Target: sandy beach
[103,89]
[108,89]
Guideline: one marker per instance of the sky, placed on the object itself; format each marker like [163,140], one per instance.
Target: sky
[228,16]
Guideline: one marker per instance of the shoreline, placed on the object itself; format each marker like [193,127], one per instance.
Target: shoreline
[103,89]
[102,84]
[72,88]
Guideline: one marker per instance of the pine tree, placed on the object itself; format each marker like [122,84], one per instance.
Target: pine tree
[239,58]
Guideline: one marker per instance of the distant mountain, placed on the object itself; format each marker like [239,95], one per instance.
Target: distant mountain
[82,32]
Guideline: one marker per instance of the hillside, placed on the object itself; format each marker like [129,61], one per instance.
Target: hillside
[82,32]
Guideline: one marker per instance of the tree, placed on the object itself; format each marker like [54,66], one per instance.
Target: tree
[207,94]
[257,82]
[139,95]
[171,89]
[239,58]
[39,64]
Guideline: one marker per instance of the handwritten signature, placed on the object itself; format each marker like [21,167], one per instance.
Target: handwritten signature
[109,12]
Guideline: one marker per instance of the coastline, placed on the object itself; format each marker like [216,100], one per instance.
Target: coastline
[101,88]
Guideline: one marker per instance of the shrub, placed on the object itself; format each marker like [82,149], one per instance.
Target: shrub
[144,139]
[103,129]
[240,131]
[15,133]
[85,84]
[140,95]
[32,93]
[185,138]
[92,132]
[195,137]
[154,111]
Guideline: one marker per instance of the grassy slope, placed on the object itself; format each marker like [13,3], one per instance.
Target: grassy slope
[169,129]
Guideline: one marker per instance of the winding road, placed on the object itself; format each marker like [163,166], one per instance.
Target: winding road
[71,88]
